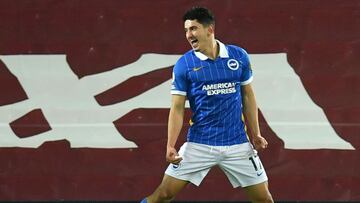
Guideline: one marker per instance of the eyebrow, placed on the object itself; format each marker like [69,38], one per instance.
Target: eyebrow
[190,27]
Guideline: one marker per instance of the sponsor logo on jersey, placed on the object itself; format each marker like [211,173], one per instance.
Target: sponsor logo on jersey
[197,68]
[219,88]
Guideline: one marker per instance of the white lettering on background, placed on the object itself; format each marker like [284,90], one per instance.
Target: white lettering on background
[70,108]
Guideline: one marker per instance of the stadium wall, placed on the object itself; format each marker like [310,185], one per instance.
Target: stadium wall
[85,97]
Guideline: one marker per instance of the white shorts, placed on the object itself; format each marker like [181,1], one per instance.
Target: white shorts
[240,163]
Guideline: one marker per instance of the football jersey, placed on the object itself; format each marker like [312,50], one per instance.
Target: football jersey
[214,93]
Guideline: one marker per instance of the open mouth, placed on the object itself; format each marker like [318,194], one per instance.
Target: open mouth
[194,42]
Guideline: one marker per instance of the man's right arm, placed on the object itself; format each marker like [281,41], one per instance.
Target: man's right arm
[175,123]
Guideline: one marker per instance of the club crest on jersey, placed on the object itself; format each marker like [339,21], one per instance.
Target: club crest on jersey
[233,64]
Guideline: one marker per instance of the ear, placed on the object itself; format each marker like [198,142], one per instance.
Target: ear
[211,29]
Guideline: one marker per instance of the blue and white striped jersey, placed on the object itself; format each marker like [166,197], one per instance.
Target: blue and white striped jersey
[213,90]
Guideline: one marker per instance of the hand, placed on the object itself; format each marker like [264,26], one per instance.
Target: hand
[172,155]
[259,142]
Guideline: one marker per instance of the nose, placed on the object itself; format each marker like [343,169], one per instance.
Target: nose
[188,34]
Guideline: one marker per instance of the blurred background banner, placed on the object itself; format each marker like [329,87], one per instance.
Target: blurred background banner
[85,95]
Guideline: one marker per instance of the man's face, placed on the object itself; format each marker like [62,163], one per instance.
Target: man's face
[197,34]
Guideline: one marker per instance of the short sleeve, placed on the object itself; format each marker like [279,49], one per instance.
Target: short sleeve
[246,75]
[179,84]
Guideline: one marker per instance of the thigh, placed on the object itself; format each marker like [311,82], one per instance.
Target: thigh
[197,160]
[258,193]
[168,188]
[243,167]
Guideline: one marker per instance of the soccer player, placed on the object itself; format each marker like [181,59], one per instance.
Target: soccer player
[216,79]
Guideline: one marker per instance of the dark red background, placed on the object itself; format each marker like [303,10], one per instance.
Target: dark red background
[322,42]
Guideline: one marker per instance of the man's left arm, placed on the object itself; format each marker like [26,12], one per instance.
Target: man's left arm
[250,111]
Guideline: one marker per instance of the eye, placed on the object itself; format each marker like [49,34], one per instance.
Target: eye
[193,28]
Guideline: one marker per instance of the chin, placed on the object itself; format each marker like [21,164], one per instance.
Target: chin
[196,49]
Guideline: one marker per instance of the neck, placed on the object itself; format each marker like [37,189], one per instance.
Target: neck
[212,50]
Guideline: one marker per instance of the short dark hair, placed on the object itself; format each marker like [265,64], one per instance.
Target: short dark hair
[203,15]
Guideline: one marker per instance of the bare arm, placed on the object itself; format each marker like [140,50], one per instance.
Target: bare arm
[250,111]
[175,123]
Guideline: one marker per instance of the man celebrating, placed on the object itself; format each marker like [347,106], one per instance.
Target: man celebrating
[216,79]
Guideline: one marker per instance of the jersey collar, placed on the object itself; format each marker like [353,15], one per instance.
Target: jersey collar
[223,53]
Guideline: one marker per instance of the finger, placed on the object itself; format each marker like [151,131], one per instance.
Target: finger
[265,143]
[174,159]
[177,160]
[260,146]
[170,158]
